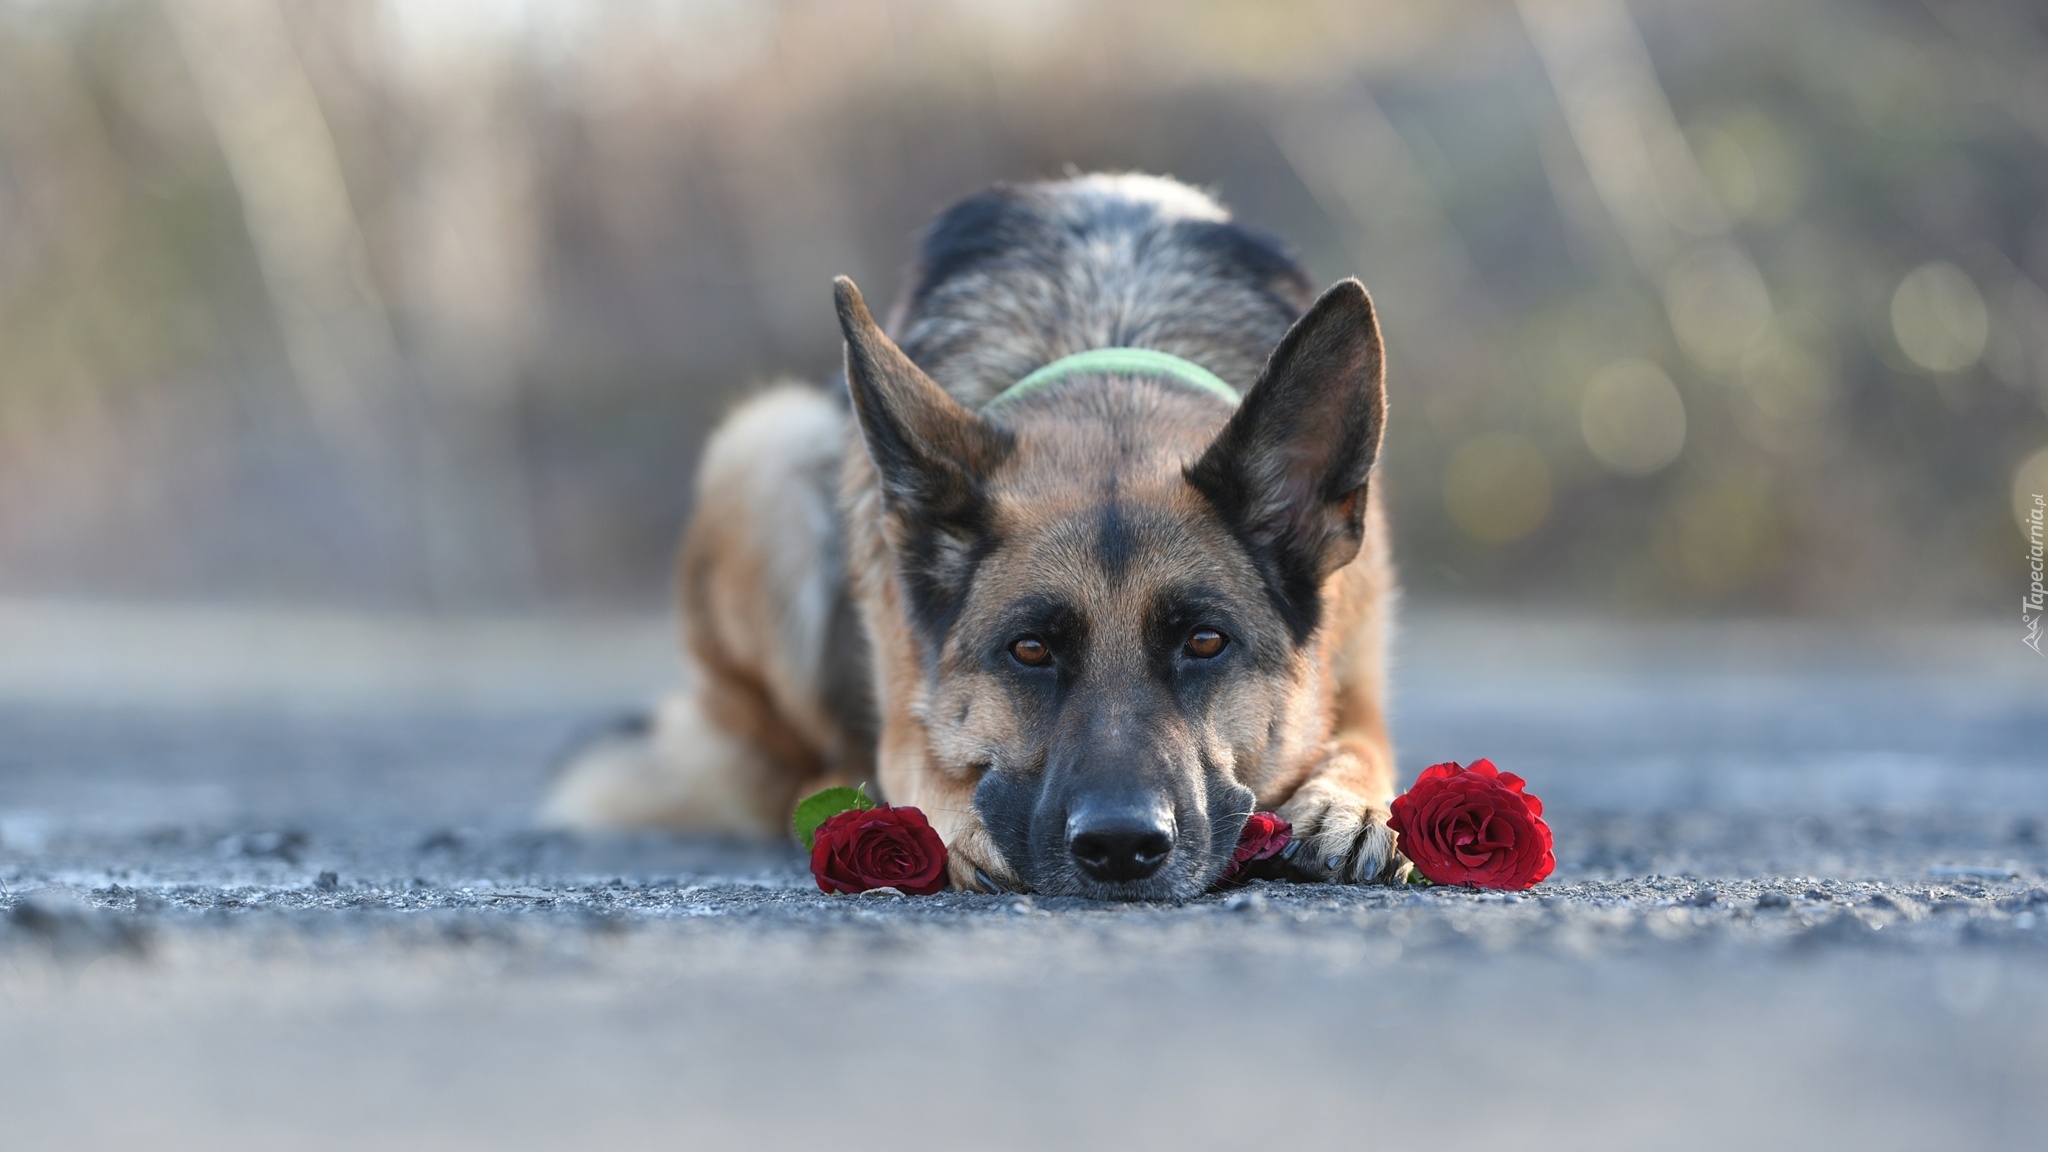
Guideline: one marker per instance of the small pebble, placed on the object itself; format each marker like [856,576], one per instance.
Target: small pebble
[327,882]
[1702,896]
[1773,900]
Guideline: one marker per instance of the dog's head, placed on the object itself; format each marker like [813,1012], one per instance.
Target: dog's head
[1116,590]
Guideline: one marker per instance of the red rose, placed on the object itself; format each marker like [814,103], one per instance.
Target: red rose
[1264,835]
[1473,826]
[864,848]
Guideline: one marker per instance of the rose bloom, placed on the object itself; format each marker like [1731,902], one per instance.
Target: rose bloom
[1473,826]
[865,848]
[1264,835]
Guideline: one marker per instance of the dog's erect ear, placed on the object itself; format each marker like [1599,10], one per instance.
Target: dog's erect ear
[1289,472]
[929,451]
[931,455]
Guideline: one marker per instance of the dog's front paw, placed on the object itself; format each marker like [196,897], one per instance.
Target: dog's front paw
[1340,838]
[974,865]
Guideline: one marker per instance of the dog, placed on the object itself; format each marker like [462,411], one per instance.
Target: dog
[1085,562]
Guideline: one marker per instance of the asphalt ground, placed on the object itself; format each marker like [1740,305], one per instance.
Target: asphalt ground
[270,879]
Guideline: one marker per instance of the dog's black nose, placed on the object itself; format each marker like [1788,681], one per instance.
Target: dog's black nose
[1120,844]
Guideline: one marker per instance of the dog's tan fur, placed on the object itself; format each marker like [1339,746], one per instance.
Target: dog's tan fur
[814,665]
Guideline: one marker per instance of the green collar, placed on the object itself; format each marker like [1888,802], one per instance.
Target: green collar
[1120,362]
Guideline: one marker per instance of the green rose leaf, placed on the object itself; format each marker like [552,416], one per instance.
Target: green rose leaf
[818,807]
[1417,879]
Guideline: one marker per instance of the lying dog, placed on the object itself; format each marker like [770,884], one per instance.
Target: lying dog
[1053,583]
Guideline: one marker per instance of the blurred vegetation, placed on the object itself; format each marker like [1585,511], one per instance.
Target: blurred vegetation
[1702,306]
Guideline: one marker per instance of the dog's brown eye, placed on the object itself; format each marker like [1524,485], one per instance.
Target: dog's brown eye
[1030,651]
[1206,644]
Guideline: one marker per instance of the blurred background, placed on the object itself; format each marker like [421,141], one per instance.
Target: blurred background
[355,360]
[1693,307]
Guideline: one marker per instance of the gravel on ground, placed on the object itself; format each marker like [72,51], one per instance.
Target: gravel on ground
[1801,901]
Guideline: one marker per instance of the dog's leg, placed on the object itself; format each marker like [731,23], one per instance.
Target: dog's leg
[902,757]
[1340,819]
[902,762]
[1340,811]
[671,768]
[973,863]
[770,642]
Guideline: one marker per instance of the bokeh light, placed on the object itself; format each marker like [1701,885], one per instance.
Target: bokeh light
[1719,305]
[1939,318]
[430,306]
[1719,536]
[1632,418]
[1497,487]
[1753,170]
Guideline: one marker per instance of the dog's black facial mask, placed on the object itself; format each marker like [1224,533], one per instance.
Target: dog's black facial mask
[1119,793]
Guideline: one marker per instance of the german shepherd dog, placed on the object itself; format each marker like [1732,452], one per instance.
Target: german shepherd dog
[1088,627]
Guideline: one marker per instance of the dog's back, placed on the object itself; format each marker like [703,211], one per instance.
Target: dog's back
[1017,277]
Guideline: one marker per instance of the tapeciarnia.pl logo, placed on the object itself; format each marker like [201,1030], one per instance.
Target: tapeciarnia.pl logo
[2032,603]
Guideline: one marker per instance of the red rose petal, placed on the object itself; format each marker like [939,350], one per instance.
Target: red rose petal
[1473,825]
[1264,836]
[866,848]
